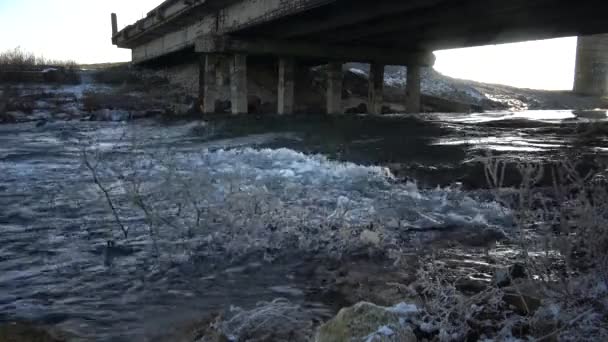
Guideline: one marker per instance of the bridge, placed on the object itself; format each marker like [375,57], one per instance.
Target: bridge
[332,32]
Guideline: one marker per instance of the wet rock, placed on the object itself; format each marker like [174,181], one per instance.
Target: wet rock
[369,322]
[25,332]
[504,276]
[470,286]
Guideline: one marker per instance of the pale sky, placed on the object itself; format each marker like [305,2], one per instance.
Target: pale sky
[80,30]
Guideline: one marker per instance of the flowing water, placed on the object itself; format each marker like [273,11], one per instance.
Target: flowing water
[228,199]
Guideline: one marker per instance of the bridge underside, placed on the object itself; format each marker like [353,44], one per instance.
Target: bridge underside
[429,25]
[335,31]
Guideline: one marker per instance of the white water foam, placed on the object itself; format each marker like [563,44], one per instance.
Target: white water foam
[261,197]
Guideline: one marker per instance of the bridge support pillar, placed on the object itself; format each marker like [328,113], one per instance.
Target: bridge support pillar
[223,71]
[376,88]
[208,82]
[238,84]
[591,75]
[413,102]
[286,86]
[334,88]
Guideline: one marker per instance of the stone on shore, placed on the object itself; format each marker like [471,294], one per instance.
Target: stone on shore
[370,322]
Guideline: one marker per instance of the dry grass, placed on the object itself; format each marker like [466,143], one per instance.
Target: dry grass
[23,60]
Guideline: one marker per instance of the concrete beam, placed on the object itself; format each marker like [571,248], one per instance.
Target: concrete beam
[286,86]
[376,88]
[210,91]
[238,84]
[413,102]
[335,78]
[302,49]
[227,16]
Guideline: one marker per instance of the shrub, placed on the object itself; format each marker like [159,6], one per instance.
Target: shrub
[24,60]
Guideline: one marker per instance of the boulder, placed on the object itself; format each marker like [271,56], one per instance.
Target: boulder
[370,322]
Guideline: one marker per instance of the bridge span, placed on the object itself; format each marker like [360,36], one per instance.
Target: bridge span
[379,32]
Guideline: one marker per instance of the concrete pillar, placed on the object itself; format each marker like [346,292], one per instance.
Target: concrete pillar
[238,84]
[591,75]
[223,71]
[334,88]
[208,82]
[413,102]
[376,88]
[114,24]
[286,86]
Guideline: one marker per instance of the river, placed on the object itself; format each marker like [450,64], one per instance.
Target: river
[222,212]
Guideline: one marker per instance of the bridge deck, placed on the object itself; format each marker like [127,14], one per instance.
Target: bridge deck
[414,25]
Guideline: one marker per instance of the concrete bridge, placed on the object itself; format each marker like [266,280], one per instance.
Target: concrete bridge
[379,32]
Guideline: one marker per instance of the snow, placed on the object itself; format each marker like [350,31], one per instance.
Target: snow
[381,332]
[358,72]
[405,309]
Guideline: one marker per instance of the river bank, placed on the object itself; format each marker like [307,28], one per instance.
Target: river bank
[120,93]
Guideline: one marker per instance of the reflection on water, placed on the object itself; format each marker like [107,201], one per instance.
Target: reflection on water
[537,115]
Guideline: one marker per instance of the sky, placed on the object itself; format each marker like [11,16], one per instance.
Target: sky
[80,30]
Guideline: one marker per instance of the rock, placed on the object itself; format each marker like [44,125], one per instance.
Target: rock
[369,322]
[504,276]
[370,238]
[470,286]
[24,332]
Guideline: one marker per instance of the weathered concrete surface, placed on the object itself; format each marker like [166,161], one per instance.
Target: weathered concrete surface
[334,88]
[286,86]
[376,88]
[591,75]
[309,50]
[210,83]
[412,90]
[238,84]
